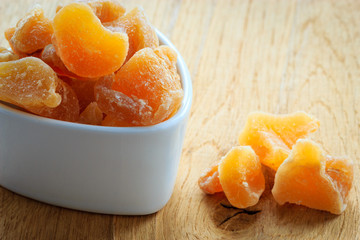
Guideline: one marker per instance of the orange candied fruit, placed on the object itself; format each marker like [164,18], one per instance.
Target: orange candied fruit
[241,177]
[91,115]
[28,82]
[309,177]
[106,10]
[141,34]
[84,90]
[32,32]
[85,47]
[209,180]
[272,136]
[145,91]
[67,110]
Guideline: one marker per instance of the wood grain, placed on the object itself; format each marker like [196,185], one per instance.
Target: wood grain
[276,56]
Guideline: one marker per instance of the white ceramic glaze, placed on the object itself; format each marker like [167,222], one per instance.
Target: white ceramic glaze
[113,170]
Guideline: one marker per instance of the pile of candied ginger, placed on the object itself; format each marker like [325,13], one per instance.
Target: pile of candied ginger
[304,174]
[93,63]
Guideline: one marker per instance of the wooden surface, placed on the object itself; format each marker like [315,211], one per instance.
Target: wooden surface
[275,56]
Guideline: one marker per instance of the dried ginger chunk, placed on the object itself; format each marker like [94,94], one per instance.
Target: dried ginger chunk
[84,90]
[85,47]
[309,177]
[140,32]
[209,180]
[49,56]
[28,82]
[272,136]
[146,90]
[117,104]
[91,115]
[106,10]
[67,110]
[32,32]
[6,55]
[241,177]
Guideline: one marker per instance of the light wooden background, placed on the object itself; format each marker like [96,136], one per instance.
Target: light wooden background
[275,56]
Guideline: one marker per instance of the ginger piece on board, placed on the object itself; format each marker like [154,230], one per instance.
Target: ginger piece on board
[272,136]
[241,177]
[311,178]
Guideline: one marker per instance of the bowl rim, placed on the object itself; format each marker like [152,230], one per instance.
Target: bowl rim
[181,114]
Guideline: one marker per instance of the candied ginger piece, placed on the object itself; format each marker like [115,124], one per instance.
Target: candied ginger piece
[91,115]
[140,32]
[6,55]
[308,177]
[106,10]
[85,47]
[272,136]
[49,56]
[67,110]
[241,177]
[28,82]
[149,81]
[84,90]
[209,180]
[118,105]
[32,32]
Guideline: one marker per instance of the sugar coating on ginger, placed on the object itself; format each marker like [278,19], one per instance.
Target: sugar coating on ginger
[32,32]
[28,82]
[272,136]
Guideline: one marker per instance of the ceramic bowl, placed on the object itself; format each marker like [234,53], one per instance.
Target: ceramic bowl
[113,170]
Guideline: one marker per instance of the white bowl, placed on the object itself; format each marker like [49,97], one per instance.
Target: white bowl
[111,170]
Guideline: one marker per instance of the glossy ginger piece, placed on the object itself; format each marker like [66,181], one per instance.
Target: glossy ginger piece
[6,55]
[28,82]
[241,177]
[67,110]
[32,32]
[91,115]
[140,32]
[209,181]
[85,47]
[149,83]
[272,136]
[309,177]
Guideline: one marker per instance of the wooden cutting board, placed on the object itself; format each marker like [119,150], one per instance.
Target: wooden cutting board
[274,56]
